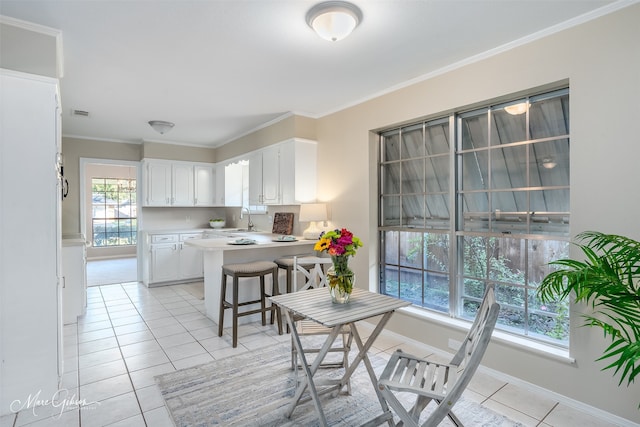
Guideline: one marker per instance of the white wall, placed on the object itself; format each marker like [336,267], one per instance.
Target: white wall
[601,62]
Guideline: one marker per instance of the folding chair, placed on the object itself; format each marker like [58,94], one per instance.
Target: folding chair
[442,383]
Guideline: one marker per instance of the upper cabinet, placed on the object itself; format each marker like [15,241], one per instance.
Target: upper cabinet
[283,174]
[156,179]
[205,179]
[182,184]
[169,183]
[264,177]
[298,171]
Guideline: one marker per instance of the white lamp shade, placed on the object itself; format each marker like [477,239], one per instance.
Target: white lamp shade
[313,212]
[334,26]
[334,20]
[516,109]
[161,126]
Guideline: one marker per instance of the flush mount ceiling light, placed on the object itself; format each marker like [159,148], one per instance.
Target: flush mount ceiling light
[334,20]
[516,109]
[548,163]
[161,126]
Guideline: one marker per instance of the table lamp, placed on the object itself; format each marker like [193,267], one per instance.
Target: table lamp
[312,212]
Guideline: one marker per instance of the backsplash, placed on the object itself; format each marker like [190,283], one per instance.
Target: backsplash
[179,218]
[186,218]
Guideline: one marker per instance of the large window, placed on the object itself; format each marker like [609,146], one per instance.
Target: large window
[114,212]
[477,198]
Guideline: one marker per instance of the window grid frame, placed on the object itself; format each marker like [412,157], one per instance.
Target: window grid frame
[132,192]
[456,193]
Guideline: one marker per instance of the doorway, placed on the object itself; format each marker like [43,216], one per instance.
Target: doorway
[110,219]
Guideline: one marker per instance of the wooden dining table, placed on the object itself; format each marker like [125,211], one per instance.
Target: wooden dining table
[316,305]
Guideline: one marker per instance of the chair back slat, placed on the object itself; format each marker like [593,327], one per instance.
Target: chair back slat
[409,372]
[420,374]
[311,270]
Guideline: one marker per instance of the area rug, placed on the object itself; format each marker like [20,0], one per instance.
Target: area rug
[254,389]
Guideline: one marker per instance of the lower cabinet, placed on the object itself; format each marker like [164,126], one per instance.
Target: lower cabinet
[74,279]
[165,262]
[191,265]
[173,261]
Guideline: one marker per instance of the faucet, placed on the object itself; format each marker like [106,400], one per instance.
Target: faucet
[250,225]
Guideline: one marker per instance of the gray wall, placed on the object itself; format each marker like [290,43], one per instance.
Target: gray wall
[601,61]
[72,150]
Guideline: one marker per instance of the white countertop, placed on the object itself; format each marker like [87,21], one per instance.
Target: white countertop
[263,240]
[176,230]
[75,239]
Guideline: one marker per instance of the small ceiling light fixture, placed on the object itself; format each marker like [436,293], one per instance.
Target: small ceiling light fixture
[161,126]
[516,109]
[548,163]
[334,20]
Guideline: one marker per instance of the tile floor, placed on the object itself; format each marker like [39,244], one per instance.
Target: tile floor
[130,334]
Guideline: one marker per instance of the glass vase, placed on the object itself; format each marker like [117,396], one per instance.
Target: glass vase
[340,285]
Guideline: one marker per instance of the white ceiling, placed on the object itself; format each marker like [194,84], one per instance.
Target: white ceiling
[219,69]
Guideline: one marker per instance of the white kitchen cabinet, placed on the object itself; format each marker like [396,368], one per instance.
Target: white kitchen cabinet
[205,185]
[255,178]
[234,174]
[74,270]
[271,167]
[219,185]
[182,184]
[179,184]
[171,261]
[298,171]
[156,180]
[283,174]
[165,262]
[30,229]
[191,265]
[264,176]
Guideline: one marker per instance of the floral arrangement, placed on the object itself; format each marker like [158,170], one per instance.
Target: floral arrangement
[340,244]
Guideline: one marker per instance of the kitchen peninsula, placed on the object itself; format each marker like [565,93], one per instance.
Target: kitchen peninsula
[222,250]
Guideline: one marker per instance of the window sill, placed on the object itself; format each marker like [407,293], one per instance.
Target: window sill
[521,343]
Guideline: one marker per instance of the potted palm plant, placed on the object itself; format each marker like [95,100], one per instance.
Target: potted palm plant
[608,279]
